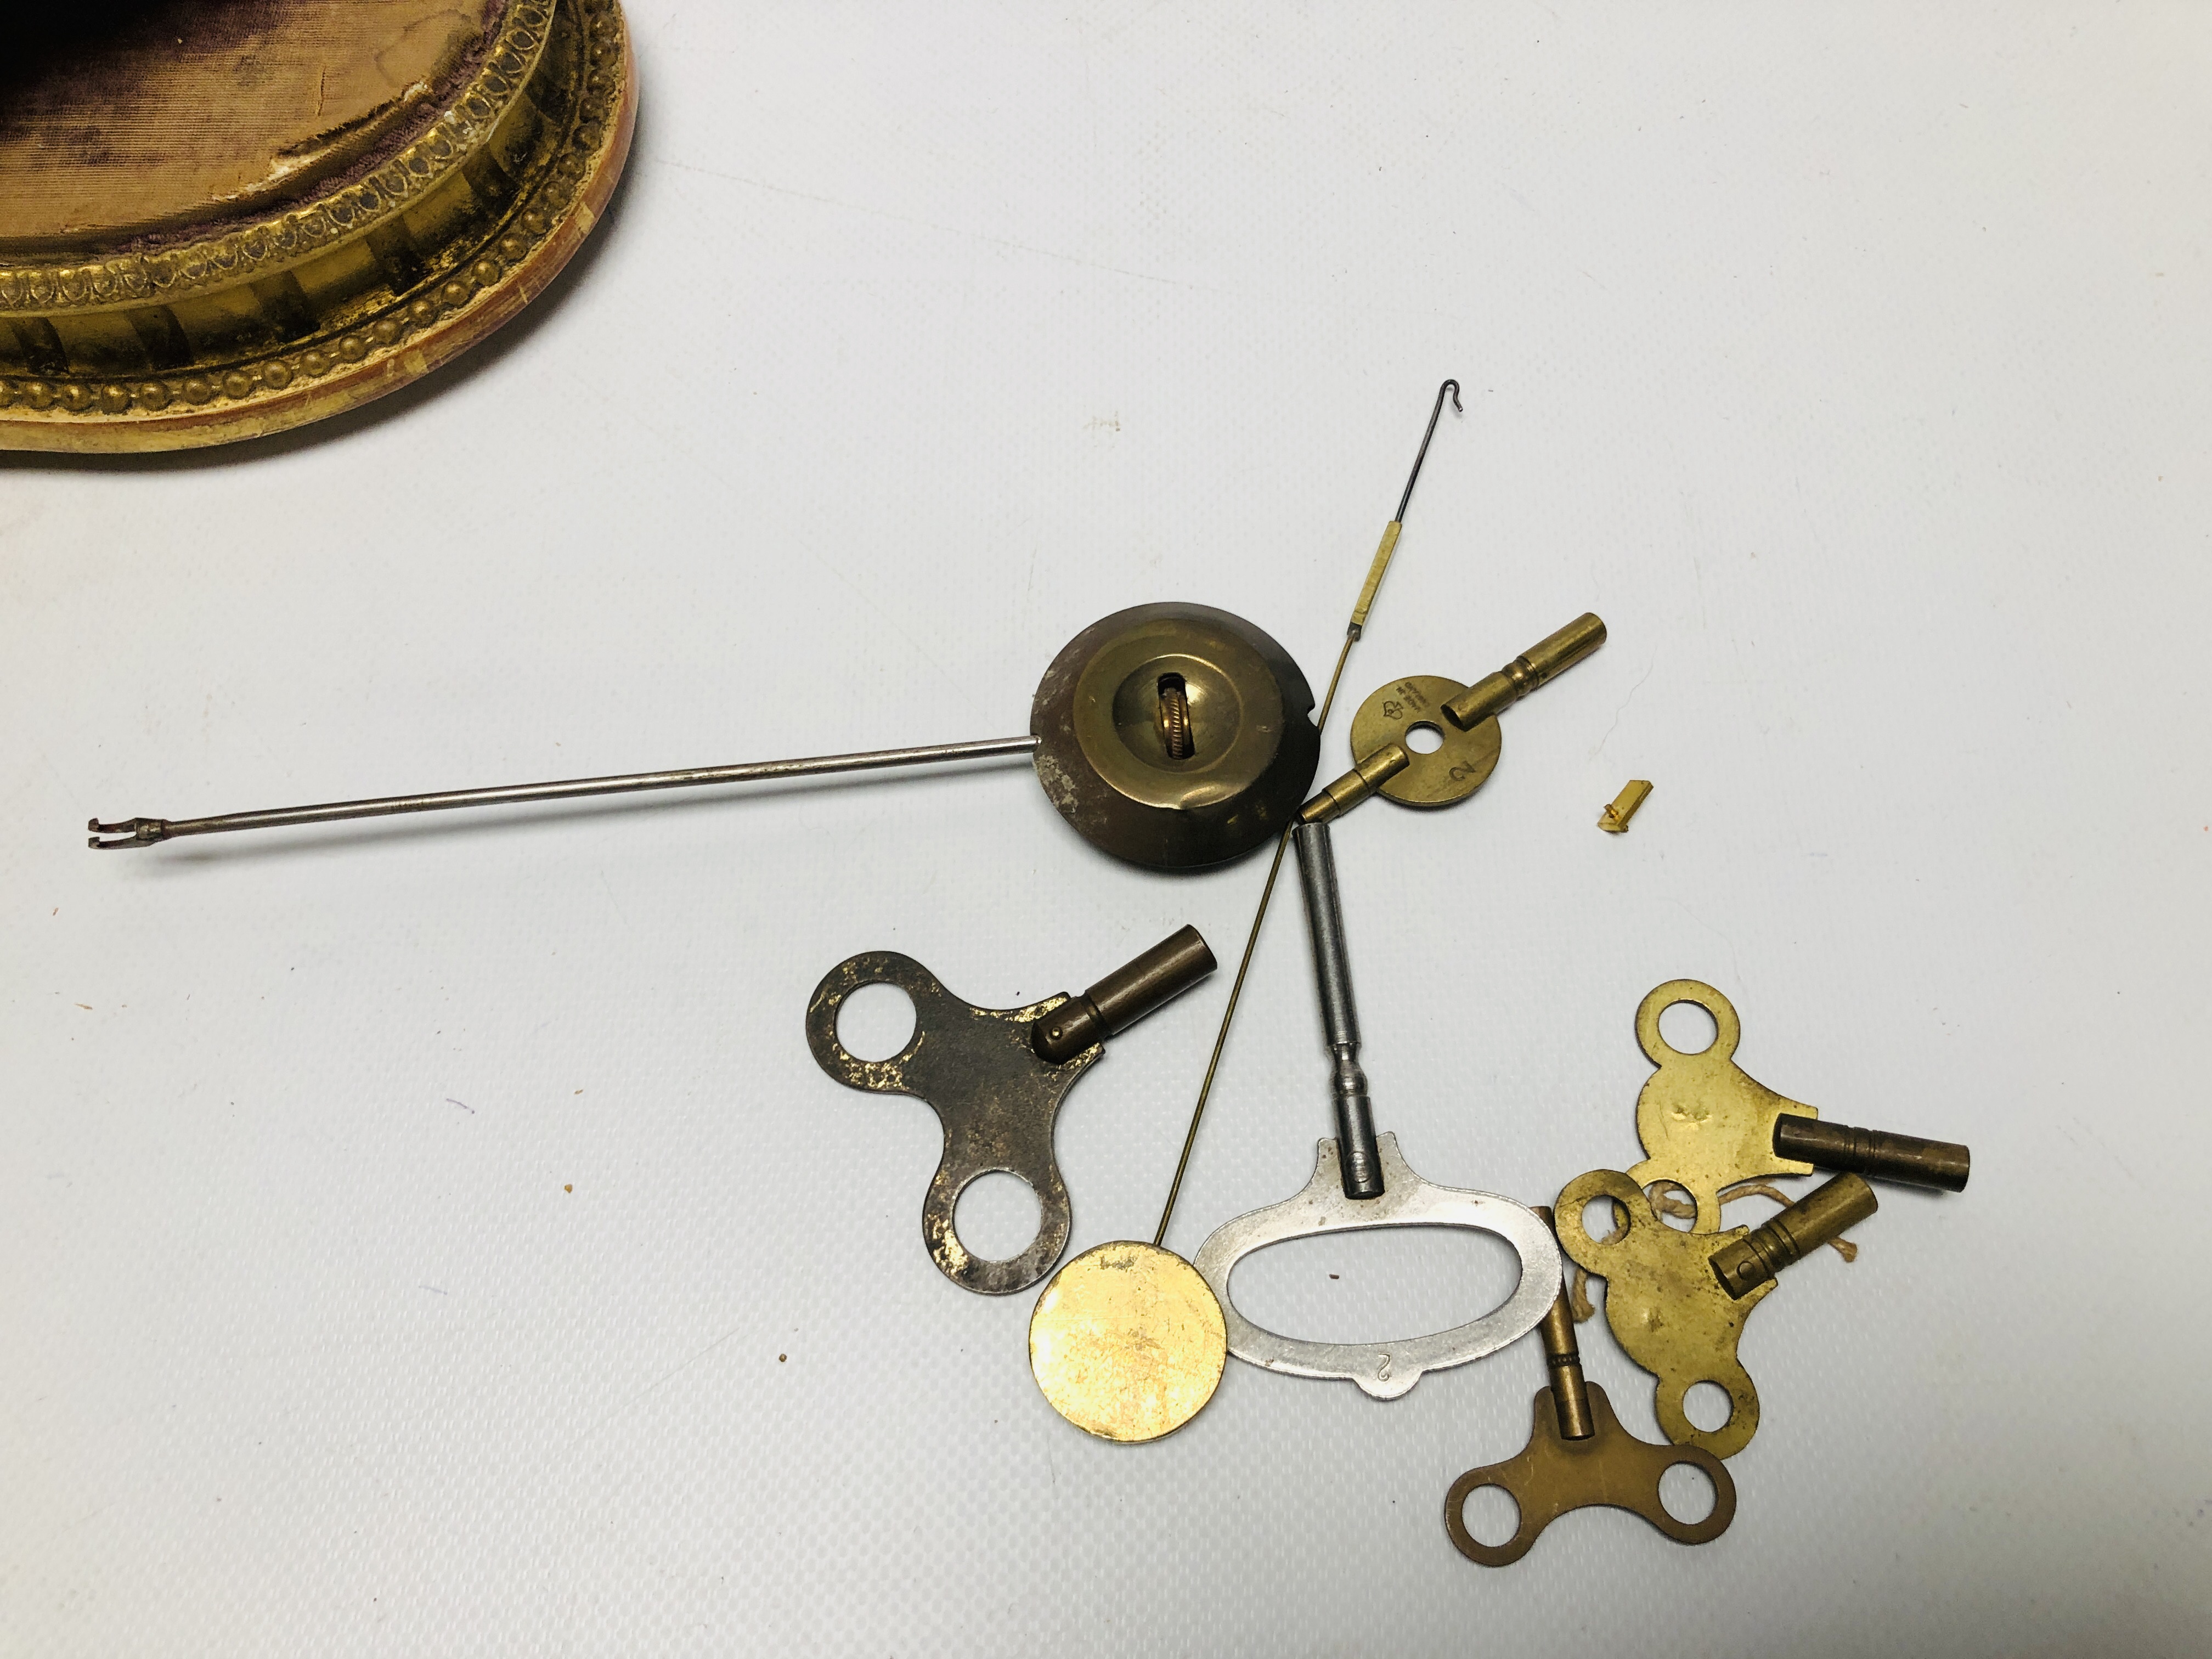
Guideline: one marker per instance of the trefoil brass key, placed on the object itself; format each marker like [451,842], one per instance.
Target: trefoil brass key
[1578,1457]
[1677,1301]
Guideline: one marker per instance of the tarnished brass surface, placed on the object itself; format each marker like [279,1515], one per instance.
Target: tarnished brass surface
[1610,1467]
[1614,820]
[1874,1152]
[1460,765]
[1126,1342]
[1666,1307]
[995,1100]
[1550,656]
[1368,773]
[996,1093]
[1829,1210]
[1124,996]
[222,219]
[1102,751]
[1706,1123]
[1563,1356]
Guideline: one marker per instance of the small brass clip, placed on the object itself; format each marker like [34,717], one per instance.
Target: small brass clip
[1614,820]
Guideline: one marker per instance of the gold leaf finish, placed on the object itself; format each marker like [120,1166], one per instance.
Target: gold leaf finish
[437,211]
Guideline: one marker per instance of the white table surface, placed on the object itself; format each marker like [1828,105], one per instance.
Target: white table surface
[433,1236]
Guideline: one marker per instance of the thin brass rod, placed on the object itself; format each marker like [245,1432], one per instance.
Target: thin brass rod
[1352,634]
[144,832]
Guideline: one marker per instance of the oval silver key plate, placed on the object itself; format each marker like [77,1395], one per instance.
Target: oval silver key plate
[1384,1369]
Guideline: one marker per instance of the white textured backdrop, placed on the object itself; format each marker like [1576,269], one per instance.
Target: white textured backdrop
[433,1237]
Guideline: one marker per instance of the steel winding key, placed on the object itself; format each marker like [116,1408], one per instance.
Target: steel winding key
[1361,1181]
[996,1077]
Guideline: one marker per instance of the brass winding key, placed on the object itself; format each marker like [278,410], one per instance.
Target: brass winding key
[1666,1306]
[1463,720]
[996,1077]
[1704,1121]
[1707,1124]
[1579,1457]
[1677,1301]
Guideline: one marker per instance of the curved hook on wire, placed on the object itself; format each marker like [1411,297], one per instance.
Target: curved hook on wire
[1452,386]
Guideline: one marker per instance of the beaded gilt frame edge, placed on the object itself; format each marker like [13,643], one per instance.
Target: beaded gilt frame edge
[471,285]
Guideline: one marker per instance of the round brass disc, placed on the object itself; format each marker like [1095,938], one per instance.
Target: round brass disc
[1104,752]
[1126,1342]
[221,218]
[1449,773]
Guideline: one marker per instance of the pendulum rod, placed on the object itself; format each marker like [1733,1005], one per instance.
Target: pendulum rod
[144,832]
[1351,632]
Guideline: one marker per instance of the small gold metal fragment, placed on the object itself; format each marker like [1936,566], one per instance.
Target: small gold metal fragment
[1126,1342]
[1615,819]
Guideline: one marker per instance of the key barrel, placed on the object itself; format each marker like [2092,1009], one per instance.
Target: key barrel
[1874,1152]
[1124,996]
[1829,1210]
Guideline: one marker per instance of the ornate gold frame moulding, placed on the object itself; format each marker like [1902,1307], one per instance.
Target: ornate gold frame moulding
[268,321]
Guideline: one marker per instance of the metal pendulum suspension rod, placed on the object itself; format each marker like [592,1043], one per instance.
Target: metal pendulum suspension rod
[1359,623]
[144,832]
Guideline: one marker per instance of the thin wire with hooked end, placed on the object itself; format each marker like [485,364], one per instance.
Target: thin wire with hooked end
[1413,478]
[1353,631]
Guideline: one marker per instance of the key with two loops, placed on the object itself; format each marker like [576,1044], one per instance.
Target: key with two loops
[1578,1457]
[996,1079]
